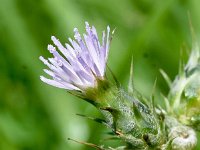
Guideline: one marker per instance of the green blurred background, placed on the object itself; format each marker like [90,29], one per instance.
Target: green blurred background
[35,116]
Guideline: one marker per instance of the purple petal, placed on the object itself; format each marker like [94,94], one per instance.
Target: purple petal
[76,66]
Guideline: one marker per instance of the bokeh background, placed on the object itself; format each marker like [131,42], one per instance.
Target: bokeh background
[35,116]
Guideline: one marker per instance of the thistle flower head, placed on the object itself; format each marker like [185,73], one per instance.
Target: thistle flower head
[78,65]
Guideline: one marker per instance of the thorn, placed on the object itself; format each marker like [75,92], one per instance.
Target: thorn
[191,27]
[195,46]
[181,64]
[114,77]
[94,119]
[131,84]
[90,101]
[110,133]
[161,112]
[195,52]
[114,114]
[113,31]
[137,113]
[87,144]
[166,77]
[167,104]
[112,34]
[119,133]
[111,110]
[110,138]
[153,94]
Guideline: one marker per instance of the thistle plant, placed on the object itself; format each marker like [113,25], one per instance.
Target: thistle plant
[80,68]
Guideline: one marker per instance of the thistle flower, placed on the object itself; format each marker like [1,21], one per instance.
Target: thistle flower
[79,65]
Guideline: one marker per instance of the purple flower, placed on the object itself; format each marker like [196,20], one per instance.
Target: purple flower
[78,65]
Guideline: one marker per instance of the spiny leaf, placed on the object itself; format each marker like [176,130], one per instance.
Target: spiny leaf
[111,138]
[82,96]
[166,77]
[118,148]
[91,101]
[136,96]
[99,120]
[192,31]
[195,54]
[153,95]
[112,34]
[181,63]
[114,77]
[131,84]
[167,104]
[109,109]
[141,107]
[167,146]
[110,133]
[88,144]
[135,143]
[114,114]
[137,114]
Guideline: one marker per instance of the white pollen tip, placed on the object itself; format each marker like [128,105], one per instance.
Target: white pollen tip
[51,48]
[86,23]
[49,72]
[42,78]
[70,39]
[53,38]
[41,58]
[87,26]
[108,28]
[77,35]
[75,30]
